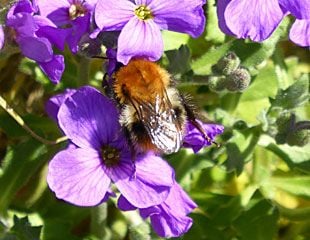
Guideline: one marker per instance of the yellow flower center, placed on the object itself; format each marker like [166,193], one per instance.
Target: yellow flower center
[110,156]
[143,12]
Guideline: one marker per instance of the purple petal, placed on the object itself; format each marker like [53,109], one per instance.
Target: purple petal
[182,16]
[253,19]
[124,205]
[77,176]
[80,26]
[49,30]
[300,32]
[151,183]
[24,25]
[54,68]
[53,104]
[179,202]
[1,37]
[169,219]
[221,7]
[168,226]
[112,15]
[38,49]
[194,138]
[298,8]
[140,39]
[89,119]
[22,6]
[56,10]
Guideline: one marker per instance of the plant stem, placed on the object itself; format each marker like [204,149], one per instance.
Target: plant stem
[21,122]
[98,227]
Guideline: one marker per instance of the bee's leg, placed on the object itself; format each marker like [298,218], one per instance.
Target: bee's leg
[191,112]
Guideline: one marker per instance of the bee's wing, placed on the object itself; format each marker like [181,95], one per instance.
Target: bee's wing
[161,123]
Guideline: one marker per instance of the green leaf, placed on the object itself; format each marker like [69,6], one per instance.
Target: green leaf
[19,164]
[24,231]
[298,186]
[240,149]
[174,40]
[294,157]
[202,65]
[213,32]
[255,99]
[258,222]
[294,96]
[179,60]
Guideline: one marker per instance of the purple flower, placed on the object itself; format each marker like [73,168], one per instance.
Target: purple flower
[140,22]
[194,138]
[1,37]
[33,35]
[82,175]
[53,104]
[74,15]
[300,32]
[168,219]
[258,19]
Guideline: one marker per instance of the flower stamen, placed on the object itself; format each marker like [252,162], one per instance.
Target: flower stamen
[143,12]
[110,156]
[77,10]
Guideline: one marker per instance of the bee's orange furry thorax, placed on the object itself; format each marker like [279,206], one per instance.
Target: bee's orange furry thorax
[142,80]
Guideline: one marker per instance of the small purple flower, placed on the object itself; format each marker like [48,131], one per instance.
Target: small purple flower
[82,175]
[140,22]
[194,138]
[168,219]
[300,32]
[74,15]
[33,35]
[258,19]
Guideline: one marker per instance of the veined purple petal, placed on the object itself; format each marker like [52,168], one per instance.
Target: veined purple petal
[38,49]
[140,39]
[151,183]
[77,176]
[112,15]
[255,19]
[221,7]
[298,8]
[1,37]
[54,68]
[300,32]
[169,218]
[56,10]
[167,226]
[53,104]
[89,119]
[186,16]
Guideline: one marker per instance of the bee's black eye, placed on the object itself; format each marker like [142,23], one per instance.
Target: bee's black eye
[178,111]
[138,128]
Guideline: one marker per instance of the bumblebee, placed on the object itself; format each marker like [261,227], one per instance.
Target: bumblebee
[153,112]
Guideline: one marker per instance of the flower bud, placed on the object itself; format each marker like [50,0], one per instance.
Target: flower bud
[227,64]
[216,84]
[299,137]
[285,121]
[238,80]
[280,138]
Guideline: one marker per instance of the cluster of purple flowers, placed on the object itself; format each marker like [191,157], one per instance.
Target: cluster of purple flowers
[98,155]
[258,19]
[39,25]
